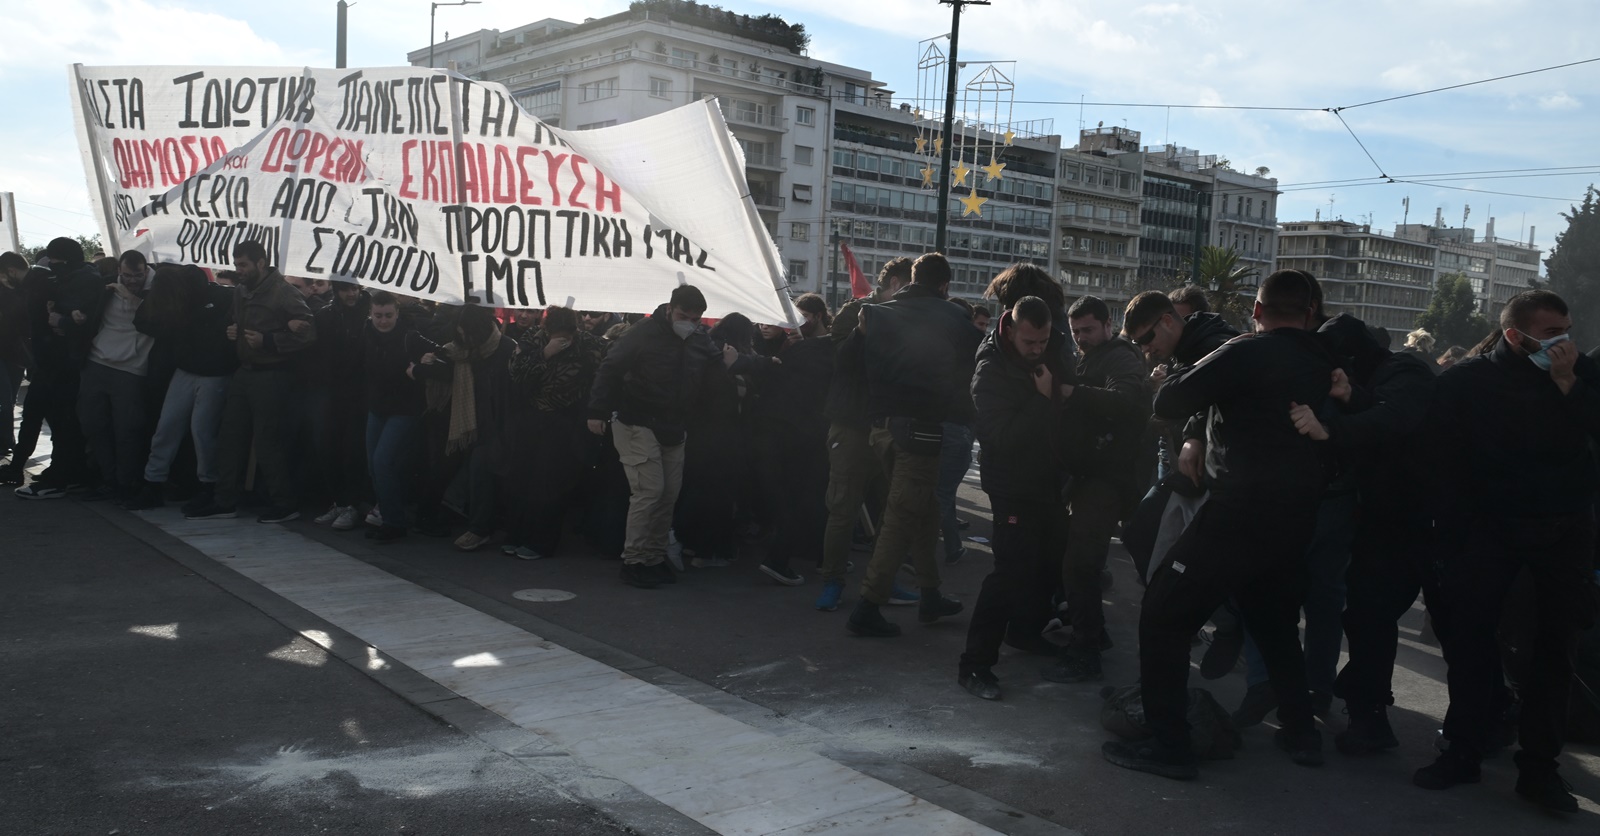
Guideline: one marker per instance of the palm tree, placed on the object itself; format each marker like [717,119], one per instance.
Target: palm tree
[1229,285]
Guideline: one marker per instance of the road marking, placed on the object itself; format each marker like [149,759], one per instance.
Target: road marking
[729,776]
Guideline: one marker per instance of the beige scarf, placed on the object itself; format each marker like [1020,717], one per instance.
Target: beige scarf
[461,393]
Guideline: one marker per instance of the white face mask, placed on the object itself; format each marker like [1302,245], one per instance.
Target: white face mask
[682,328]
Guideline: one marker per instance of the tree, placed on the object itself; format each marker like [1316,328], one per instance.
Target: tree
[1573,268]
[92,248]
[1226,282]
[1452,316]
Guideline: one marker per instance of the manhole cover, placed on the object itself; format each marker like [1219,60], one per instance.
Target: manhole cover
[543,595]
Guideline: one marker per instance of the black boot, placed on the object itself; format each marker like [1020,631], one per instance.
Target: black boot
[149,496]
[1368,732]
[934,606]
[1541,785]
[868,623]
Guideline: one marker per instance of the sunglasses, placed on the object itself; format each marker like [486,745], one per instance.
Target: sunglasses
[1146,338]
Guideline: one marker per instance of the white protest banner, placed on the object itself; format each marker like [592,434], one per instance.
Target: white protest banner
[425,183]
[9,242]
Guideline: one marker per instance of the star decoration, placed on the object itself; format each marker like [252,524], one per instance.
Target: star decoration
[938,145]
[993,169]
[927,176]
[1009,135]
[958,175]
[972,204]
[922,144]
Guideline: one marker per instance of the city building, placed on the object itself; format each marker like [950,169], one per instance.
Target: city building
[1098,198]
[1498,268]
[1193,200]
[1380,279]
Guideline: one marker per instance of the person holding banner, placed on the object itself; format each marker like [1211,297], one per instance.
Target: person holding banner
[271,325]
[646,387]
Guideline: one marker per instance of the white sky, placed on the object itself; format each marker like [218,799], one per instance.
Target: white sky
[1237,52]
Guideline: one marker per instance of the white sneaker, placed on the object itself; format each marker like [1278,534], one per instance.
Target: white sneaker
[373,517]
[346,519]
[674,550]
[329,515]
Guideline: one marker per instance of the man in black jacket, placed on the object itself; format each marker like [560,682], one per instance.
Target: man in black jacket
[60,283]
[1106,413]
[1513,430]
[918,354]
[1018,427]
[646,387]
[1250,538]
[1374,419]
[335,368]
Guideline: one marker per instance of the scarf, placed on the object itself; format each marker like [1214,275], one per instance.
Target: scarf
[461,392]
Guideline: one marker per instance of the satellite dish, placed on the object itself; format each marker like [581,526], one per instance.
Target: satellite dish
[1100,124]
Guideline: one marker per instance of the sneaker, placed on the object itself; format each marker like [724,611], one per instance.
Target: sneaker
[980,683]
[468,542]
[278,514]
[1223,654]
[664,572]
[1259,701]
[211,511]
[785,576]
[346,519]
[934,606]
[867,622]
[149,496]
[509,549]
[1072,668]
[202,498]
[329,515]
[832,591]
[12,474]
[386,533]
[1367,733]
[1544,787]
[638,575]
[899,596]
[1446,771]
[40,490]
[1304,747]
[710,562]
[525,553]
[1150,756]
[674,550]
[374,518]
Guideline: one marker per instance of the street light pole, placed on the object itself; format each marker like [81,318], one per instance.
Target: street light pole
[342,33]
[433,12]
[949,118]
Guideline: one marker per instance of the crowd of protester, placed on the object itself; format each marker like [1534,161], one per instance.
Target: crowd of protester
[1301,468]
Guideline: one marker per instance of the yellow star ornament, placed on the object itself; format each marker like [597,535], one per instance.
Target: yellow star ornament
[922,143]
[1009,135]
[938,145]
[993,169]
[958,175]
[927,176]
[972,204]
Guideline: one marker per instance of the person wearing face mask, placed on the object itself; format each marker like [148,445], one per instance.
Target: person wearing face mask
[60,283]
[1513,428]
[111,393]
[271,327]
[1249,540]
[649,382]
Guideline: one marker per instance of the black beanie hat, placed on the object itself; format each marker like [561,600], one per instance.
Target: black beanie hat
[65,249]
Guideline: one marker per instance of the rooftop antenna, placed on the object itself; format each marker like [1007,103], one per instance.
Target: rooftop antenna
[1407,204]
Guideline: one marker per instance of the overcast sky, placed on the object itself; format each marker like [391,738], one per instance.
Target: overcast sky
[1233,52]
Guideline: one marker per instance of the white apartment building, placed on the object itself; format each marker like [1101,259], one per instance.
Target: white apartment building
[1498,268]
[1380,279]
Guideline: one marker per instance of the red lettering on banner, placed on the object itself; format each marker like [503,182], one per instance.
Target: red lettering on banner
[603,190]
[553,165]
[505,176]
[407,190]
[525,181]
[572,197]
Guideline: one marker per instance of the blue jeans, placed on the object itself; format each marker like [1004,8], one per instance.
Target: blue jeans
[1326,562]
[955,457]
[193,405]
[391,441]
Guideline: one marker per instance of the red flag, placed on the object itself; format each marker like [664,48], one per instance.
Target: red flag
[859,286]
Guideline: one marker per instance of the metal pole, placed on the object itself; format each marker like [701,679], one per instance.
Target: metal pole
[433,12]
[949,126]
[1199,198]
[343,32]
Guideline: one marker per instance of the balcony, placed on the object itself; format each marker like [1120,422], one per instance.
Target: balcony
[768,202]
[756,159]
[1079,222]
[1080,258]
[768,119]
[1253,220]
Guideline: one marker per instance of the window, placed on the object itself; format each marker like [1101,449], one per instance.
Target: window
[684,57]
[805,116]
[661,88]
[802,193]
[1066,242]
[1083,244]
[798,271]
[802,155]
[1100,247]
[1122,248]
[1072,173]
[595,90]
[799,232]
[1090,174]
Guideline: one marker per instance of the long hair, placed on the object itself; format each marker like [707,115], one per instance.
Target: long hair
[175,293]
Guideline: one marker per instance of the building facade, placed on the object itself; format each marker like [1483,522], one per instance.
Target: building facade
[1379,279]
[1498,268]
[1098,197]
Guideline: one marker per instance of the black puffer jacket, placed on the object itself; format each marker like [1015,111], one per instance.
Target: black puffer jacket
[1246,389]
[1018,429]
[651,378]
[919,353]
[1203,333]
[335,359]
[1107,412]
[199,345]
